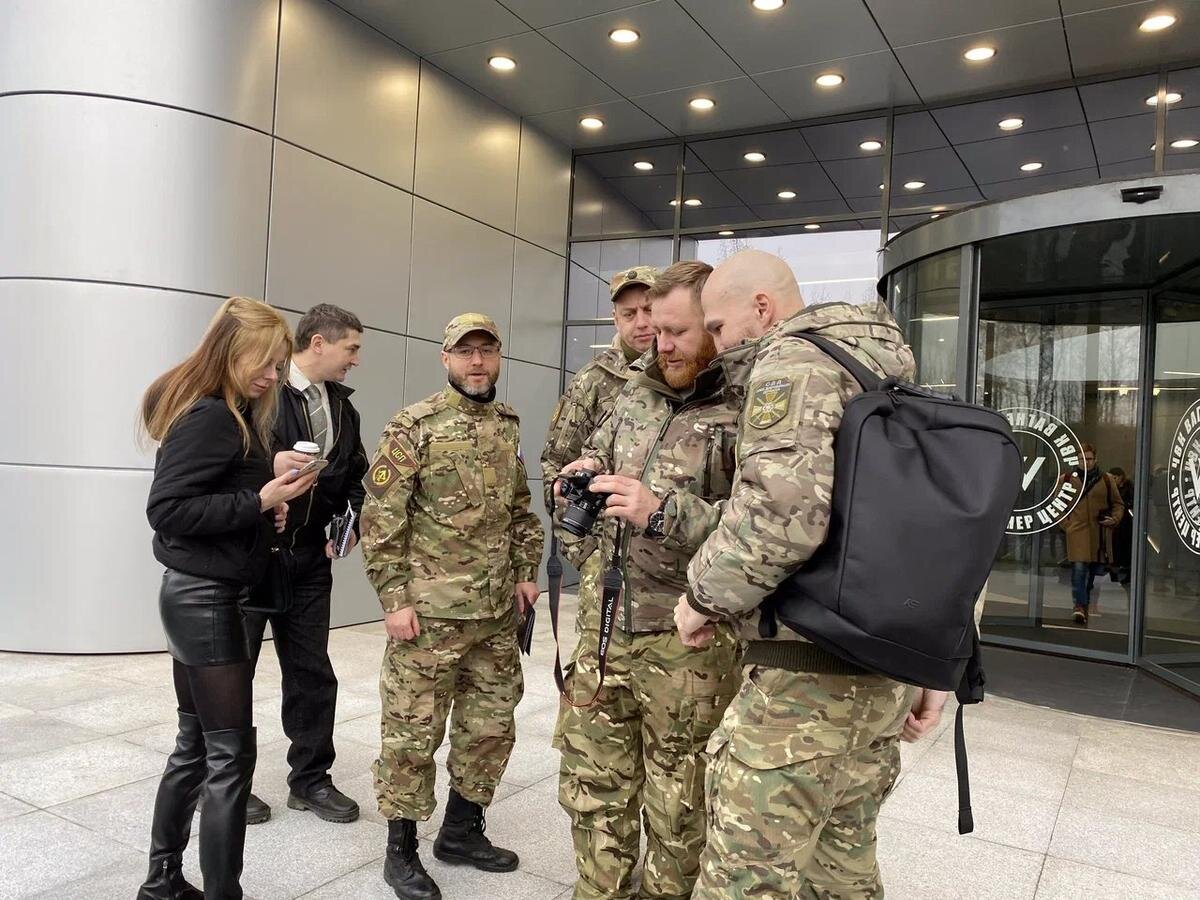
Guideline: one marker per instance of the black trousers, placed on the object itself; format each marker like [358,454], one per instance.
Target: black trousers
[309,685]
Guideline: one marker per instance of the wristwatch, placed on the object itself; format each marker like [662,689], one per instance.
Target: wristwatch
[656,525]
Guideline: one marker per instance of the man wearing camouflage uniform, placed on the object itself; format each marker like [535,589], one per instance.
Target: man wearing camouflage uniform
[589,399]
[807,750]
[452,548]
[669,443]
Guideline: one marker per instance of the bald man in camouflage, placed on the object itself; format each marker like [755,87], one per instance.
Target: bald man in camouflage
[807,751]
[452,548]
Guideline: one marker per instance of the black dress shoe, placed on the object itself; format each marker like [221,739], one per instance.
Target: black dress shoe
[461,839]
[402,868]
[257,811]
[327,802]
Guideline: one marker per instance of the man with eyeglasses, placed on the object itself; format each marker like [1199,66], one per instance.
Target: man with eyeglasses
[452,548]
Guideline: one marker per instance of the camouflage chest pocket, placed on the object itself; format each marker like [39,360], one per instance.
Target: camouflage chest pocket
[451,480]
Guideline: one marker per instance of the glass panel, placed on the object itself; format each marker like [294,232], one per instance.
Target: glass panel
[835,262]
[624,191]
[1172,527]
[1183,120]
[925,300]
[584,342]
[1065,372]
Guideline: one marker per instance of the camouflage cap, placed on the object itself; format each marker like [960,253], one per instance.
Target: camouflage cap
[638,275]
[460,326]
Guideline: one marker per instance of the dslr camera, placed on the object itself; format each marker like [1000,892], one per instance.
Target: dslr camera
[583,505]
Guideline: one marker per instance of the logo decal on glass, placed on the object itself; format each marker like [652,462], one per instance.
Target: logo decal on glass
[1183,478]
[1050,450]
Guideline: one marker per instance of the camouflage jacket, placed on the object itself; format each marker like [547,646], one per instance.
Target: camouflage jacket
[778,512]
[446,524]
[587,401]
[681,447]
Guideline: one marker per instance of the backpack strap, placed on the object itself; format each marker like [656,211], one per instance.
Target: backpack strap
[866,379]
[970,690]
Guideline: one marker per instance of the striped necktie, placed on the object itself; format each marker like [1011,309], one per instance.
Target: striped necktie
[318,418]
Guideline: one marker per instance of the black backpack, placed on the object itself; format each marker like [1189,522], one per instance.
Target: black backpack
[923,488]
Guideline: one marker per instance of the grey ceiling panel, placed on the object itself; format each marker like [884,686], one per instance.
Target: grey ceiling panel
[1110,39]
[431,26]
[940,169]
[841,139]
[779,147]
[1000,159]
[1183,123]
[1071,7]
[955,197]
[918,131]
[623,123]
[856,177]
[740,104]
[919,21]
[980,121]
[648,193]
[1025,55]
[760,186]
[797,209]
[1129,168]
[866,204]
[541,13]
[808,32]
[717,215]
[873,81]
[619,163]
[1187,83]
[1117,140]
[1118,99]
[544,80]
[712,190]
[673,52]
[1024,186]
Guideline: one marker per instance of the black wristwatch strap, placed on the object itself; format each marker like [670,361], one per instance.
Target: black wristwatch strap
[654,527]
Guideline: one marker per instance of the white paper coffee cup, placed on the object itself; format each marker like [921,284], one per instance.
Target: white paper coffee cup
[308,448]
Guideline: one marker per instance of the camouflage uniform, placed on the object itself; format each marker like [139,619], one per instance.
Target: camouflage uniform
[639,744]
[807,751]
[588,400]
[447,530]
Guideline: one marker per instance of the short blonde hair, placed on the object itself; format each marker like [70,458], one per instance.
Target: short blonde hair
[691,274]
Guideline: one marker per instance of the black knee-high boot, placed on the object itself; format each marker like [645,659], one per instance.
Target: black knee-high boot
[173,809]
[231,756]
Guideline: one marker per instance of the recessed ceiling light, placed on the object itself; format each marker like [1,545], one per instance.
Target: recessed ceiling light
[913,185]
[881,187]
[1172,97]
[1011,124]
[623,36]
[870,145]
[812,226]
[754,156]
[725,233]
[702,103]
[1185,143]
[591,122]
[1157,23]
[936,216]
[692,201]
[786,195]
[643,165]
[502,63]
[979,54]
[829,80]
[767,5]
[938,208]
[1030,166]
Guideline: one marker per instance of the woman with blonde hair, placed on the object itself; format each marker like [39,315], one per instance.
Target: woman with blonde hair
[214,506]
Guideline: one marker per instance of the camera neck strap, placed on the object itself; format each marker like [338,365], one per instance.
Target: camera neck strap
[611,596]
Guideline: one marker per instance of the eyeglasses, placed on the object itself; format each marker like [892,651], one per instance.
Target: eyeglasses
[489,352]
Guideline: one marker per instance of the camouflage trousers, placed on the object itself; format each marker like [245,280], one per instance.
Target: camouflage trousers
[638,750]
[470,666]
[797,772]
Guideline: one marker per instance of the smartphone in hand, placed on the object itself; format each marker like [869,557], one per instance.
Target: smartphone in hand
[315,466]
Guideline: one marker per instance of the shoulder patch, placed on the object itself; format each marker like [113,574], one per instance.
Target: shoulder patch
[769,402]
[381,476]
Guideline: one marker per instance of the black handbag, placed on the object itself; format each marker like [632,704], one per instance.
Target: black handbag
[273,593]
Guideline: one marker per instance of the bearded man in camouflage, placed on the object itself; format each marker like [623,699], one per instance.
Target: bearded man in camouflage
[668,445]
[807,750]
[452,548]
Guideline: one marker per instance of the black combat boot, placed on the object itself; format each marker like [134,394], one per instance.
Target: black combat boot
[173,809]
[230,760]
[257,810]
[402,868]
[461,838]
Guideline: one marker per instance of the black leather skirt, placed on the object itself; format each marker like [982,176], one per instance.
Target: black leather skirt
[202,619]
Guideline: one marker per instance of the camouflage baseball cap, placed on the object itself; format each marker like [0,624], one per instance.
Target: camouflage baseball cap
[643,275]
[460,326]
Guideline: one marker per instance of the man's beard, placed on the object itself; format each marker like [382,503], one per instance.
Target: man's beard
[472,391]
[685,376]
